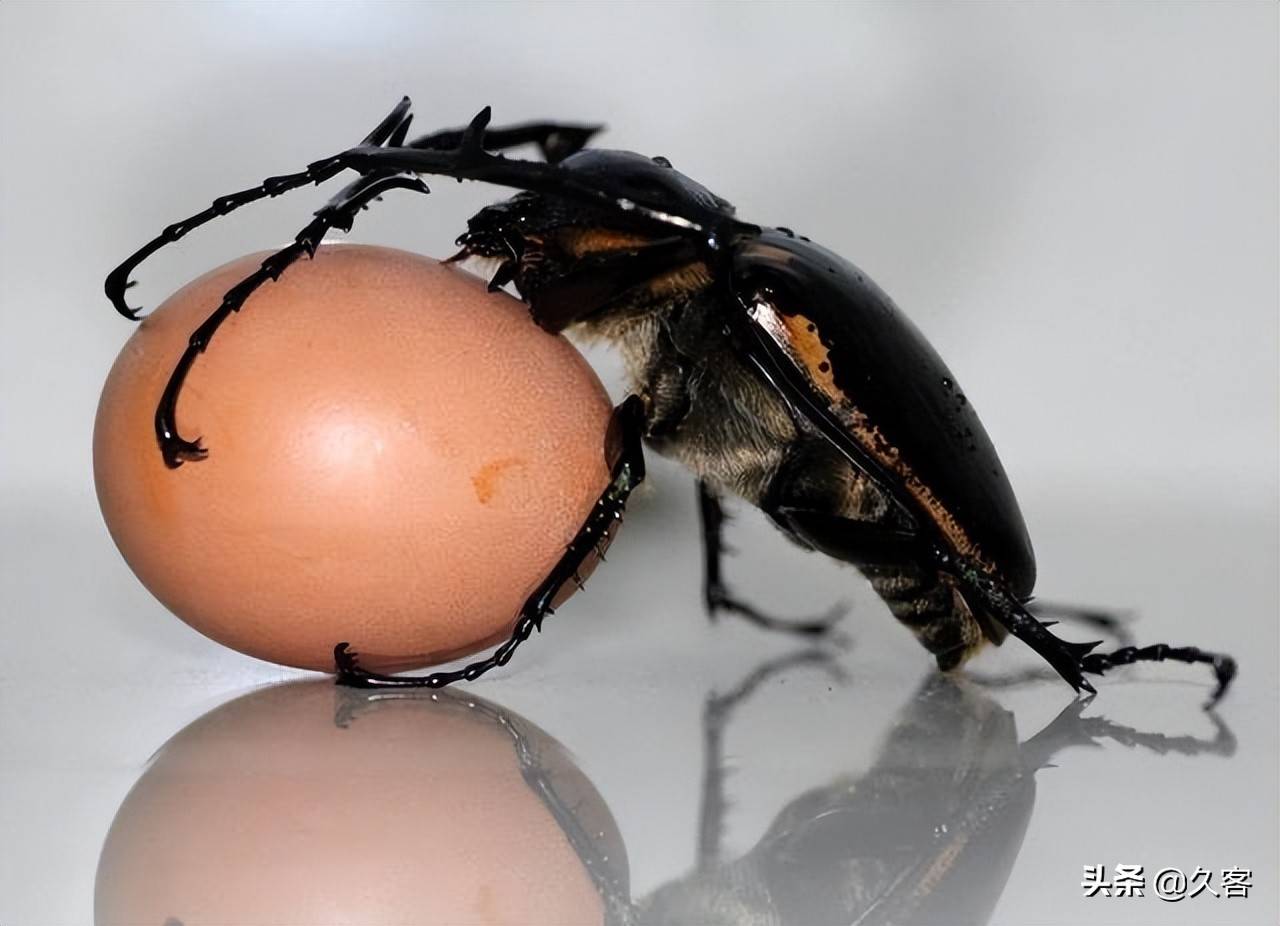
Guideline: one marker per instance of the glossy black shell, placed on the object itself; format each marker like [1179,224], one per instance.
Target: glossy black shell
[649,180]
[886,367]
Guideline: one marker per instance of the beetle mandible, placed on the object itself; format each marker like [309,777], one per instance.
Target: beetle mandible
[772,368]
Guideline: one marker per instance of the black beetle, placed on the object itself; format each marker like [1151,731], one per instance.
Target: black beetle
[771,367]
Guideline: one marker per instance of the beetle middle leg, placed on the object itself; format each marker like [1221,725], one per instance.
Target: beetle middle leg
[626,430]
[717,711]
[716,597]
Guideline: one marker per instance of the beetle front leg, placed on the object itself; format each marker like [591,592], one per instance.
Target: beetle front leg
[716,597]
[339,212]
[390,128]
[555,140]
[626,430]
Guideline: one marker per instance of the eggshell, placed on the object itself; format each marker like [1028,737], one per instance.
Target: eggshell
[306,805]
[396,458]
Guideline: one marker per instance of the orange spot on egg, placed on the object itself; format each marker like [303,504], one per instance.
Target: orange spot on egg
[488,478]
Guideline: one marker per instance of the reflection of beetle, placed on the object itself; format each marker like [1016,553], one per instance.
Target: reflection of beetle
[928,834]
[772,368]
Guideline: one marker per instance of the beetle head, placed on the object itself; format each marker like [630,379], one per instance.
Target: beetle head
[540,241]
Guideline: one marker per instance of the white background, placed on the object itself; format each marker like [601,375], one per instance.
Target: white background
[1077,203]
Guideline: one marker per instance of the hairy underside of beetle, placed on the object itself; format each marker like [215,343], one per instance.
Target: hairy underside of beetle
[717,416]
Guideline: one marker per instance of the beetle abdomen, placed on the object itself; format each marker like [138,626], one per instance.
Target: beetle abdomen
[931,608]
[819,499]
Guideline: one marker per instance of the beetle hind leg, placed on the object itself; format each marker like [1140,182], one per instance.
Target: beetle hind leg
[1072,660]
[1224,667]
[1113,623]
[587,547]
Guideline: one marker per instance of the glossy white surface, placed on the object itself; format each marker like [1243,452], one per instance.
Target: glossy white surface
[1077,204]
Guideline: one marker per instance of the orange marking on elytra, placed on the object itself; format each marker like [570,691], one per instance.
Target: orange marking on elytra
[800,338]
[813,355]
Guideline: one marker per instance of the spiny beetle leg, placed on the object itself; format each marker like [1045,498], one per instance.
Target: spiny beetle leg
[995,599]
[118,280]
[469,151]
[1071,660]
[625,433]
[471,161]
[556,141]
[716,597]
[1110,622]
[339,212]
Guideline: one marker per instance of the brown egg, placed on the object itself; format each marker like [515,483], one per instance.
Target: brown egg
[396,458]
[302,805]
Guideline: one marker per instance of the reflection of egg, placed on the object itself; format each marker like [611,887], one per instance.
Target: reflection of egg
[396,458]
[305,804]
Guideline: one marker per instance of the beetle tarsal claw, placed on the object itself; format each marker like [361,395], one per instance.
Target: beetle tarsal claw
[176,451]
[345,660]
[118,283]
[1224,672]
